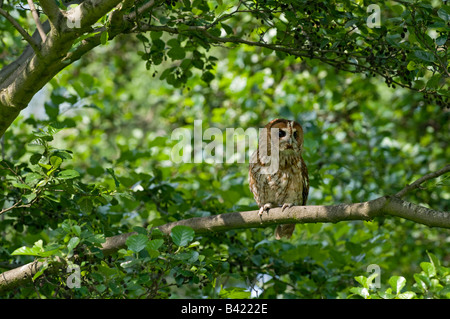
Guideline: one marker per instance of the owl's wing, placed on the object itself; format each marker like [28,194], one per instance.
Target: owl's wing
[305,183]
[252,182]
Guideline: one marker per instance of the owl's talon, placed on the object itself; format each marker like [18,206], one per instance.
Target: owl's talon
[261,211]
[285,205]
[265,208]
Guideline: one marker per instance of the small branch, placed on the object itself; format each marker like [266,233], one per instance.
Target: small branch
[37,21]
[51,10]
[417,183]
[17,205]
[146,7]
[10,208]
[21,30]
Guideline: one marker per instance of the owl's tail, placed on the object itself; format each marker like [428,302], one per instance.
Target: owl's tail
[284,230]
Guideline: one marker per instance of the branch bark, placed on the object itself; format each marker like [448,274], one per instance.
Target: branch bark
[21,30]
[51,10]
[423,179]
[26,77]
[37,21]
[383,206]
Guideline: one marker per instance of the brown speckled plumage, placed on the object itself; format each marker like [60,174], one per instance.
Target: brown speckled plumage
[284,182]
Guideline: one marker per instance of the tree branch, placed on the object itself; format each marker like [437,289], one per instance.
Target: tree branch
[345,65]
[21,82]
[21,30]
[51,10]
[387,205]
[417,183]
[36,20]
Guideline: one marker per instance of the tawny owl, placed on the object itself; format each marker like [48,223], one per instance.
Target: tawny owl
[278,175]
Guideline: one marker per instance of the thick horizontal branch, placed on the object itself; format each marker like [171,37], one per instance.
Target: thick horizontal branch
[302,214]
[317,214]
[383,206]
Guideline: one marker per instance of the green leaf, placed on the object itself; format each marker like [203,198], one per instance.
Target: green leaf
[411,65]
[37,250]
[153,253]
[444,13]
[234,293]
[190,256]
[436,263]
[428,268]
[76,229]
[68,174]
[154,35]
[227,28]
[20,185]
[137,242]
[407,295]
[85,204]
[362,292]
[45,166]
[155,244]
[104,37]
[32,178]
[35,158]
[95,239]
[174,43]
[158,45]
[177,53]
[55,161]
[363,281]
[422,282]
[28,197]
[397,283]
[433,82]
[40,271]
[142,37]
[207,76]
[111,172]
[50,252]
[424,56]
[182,235]
[27,251]
[73,242]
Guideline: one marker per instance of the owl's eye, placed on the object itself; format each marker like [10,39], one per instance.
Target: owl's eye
[281,133]
[295,134]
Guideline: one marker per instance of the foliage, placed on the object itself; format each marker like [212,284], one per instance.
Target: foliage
[432,281]
[98,162]
[340,33]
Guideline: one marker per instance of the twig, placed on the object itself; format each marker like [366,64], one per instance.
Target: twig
[424,178]
[16,205]
[10,208]
[37,21]
[21,30]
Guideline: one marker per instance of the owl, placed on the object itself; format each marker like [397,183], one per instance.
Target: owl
[277,174]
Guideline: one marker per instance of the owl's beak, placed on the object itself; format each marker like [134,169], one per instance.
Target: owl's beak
[290,143]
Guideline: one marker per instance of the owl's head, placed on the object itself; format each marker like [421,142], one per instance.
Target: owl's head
[290,135]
